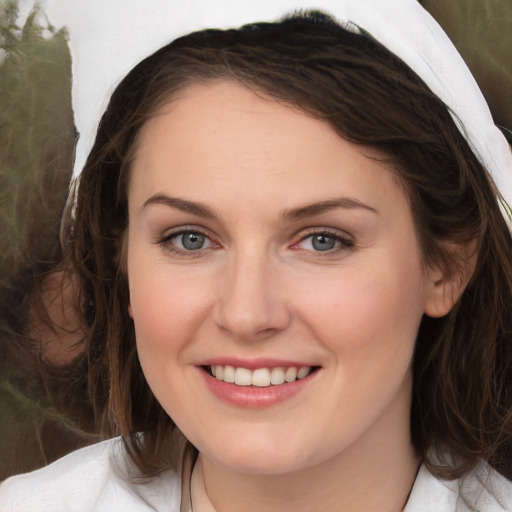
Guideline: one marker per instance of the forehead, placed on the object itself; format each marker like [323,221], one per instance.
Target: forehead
[223,111]
[223,139]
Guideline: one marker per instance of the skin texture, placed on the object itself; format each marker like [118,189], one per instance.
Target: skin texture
[259,289]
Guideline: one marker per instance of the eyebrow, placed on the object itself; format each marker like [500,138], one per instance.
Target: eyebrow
[313,209]
[195,208]
[294,214]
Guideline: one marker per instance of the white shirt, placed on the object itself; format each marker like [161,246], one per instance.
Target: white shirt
[86,481]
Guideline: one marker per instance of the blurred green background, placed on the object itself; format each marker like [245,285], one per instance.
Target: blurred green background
[37,138]
[482,32]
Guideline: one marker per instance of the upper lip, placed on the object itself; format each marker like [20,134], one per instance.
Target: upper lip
[254,364]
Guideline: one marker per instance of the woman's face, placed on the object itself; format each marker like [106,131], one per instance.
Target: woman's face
[262,246]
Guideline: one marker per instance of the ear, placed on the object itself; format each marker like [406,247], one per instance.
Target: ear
[130,311]
[447,283]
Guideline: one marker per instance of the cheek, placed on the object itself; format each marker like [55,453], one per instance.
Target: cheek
[166,307]
[373,313]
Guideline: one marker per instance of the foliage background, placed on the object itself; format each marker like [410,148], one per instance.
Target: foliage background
[37,139]
[482,32]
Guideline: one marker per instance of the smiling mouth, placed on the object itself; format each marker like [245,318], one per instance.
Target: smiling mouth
[260,377]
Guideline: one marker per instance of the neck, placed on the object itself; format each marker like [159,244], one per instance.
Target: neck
[375,473]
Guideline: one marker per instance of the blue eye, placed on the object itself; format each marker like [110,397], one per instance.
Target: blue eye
[192,241]
[324,242]
[186,241]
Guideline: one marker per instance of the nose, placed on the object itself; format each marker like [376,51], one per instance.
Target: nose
[251,303]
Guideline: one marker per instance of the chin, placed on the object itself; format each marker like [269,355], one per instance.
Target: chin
[263,455]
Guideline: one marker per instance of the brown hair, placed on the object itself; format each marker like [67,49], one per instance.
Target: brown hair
[462,366]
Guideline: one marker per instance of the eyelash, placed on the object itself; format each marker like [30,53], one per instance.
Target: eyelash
[344,242]
[165,242]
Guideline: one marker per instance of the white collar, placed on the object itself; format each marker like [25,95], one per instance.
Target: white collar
[483,489]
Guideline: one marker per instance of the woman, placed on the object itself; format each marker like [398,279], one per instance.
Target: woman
[290,249]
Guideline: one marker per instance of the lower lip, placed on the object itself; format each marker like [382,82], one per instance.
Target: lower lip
[253,397]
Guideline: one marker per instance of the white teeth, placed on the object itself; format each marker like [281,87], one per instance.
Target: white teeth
[261,377]
[243,377]
[229,374]
[291,374]
[277,376]
[303,372]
